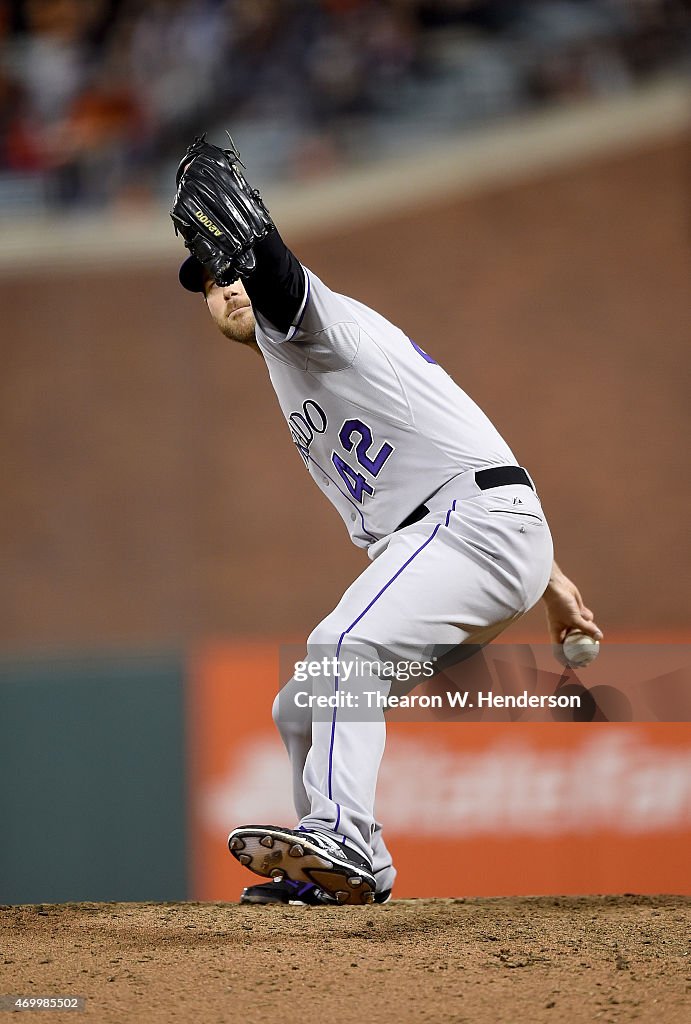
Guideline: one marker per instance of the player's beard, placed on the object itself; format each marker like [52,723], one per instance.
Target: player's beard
[239,326]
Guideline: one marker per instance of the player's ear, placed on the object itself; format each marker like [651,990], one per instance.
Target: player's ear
[207,284]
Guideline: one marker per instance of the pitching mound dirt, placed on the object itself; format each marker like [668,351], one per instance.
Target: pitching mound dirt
[501,960]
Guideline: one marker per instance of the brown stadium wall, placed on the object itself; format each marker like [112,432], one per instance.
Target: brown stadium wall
[151,494]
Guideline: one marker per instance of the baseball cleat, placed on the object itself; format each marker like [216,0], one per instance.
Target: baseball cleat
[287,893]
[302,856]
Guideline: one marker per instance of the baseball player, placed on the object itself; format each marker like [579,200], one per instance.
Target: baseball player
[453,526]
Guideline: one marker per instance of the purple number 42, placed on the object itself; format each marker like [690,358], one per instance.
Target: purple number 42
[356,483]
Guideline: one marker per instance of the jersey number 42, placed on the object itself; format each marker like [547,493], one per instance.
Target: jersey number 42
[356,482]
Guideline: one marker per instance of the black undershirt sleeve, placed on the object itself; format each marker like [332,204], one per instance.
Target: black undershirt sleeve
[276,286]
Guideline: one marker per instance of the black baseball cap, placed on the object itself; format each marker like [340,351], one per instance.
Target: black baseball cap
[191,275]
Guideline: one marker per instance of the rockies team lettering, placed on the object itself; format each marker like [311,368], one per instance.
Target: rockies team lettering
[355,437]
[304,425]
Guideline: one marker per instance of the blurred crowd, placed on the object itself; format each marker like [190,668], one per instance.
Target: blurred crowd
[98,98]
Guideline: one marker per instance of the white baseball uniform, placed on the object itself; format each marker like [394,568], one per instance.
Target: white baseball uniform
[383,429]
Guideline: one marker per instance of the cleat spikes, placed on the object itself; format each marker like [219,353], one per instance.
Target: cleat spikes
[300,857]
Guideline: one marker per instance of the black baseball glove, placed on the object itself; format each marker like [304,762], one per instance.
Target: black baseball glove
[217,213]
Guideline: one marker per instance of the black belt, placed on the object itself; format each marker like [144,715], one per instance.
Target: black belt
[496,476]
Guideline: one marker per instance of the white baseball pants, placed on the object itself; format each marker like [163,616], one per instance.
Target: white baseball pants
[461,575]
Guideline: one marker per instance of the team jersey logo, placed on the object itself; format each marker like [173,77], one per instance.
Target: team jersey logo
[355,439]
[356,482]
[304,425]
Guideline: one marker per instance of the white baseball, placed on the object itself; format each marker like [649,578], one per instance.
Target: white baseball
[580,649]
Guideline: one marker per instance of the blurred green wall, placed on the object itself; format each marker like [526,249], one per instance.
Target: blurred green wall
[92,779]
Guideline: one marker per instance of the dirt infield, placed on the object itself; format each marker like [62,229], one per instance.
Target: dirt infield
[504,960]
